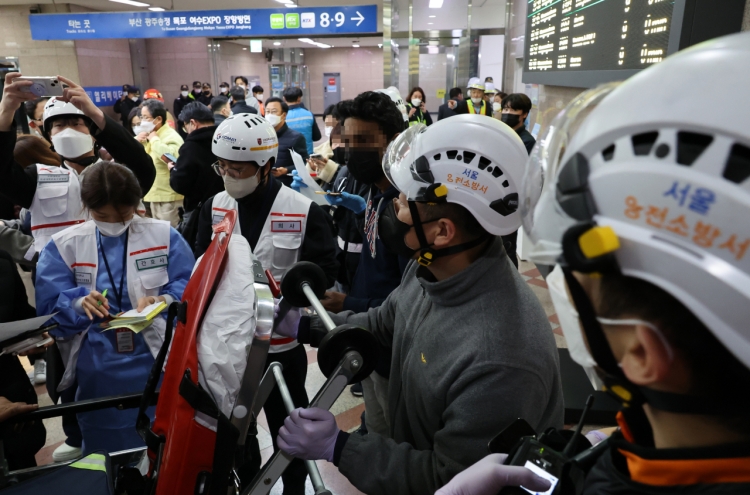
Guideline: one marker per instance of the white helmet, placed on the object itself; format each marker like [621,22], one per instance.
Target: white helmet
[476,83]
[663,192]
[395,96]
[489,88]
[56,108]
[245,137]
[476,163]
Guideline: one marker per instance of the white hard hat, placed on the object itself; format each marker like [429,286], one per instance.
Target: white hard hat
[56,108]
[476,83]
[395,96]
[489,88]
[476,163]
[664,189]
[245,137]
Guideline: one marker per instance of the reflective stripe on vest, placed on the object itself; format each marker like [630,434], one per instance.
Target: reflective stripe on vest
[92,462]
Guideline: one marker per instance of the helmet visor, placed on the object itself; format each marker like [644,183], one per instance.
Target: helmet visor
[399,163]
[544,163]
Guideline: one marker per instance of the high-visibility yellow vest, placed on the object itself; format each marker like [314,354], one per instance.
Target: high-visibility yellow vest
[483,111]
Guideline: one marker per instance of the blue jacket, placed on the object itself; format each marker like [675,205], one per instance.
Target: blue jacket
[102,371]
[302,120]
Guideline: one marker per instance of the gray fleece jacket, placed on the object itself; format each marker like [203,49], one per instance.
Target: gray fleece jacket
[471,354]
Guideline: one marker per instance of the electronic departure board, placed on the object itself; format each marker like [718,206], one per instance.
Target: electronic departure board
[586,42]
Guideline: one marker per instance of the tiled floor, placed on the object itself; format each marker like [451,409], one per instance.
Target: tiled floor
[347,408]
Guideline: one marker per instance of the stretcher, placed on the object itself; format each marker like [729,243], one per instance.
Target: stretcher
[197,438]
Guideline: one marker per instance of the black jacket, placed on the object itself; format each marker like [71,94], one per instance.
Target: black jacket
[179,104]
[21,442]
[463,107]
[219,118]
[206,100]
[123,107]
[318,245]
[242,107]
[444,112]
[526,137]
[289,139]
[19,184]
[192,175]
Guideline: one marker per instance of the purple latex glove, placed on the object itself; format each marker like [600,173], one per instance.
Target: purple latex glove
[309,434]
[489,475]
[289,324]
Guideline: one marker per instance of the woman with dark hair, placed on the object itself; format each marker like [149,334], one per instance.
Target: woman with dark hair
[134,122]
[31,149]
[416,105]
[115,262]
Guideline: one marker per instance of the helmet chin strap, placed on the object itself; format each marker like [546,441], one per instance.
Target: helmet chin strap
[426,254]
[619,386]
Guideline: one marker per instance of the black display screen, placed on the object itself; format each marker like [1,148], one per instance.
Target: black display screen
[596,35]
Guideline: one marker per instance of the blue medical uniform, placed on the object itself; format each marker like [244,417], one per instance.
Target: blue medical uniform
[101,370]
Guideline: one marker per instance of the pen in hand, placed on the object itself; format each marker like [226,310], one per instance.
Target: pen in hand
[104,294]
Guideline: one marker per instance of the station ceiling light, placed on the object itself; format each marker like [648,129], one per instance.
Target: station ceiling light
[156,9]
[436,4]
[314,43]
[277,43]
[355,46]
[132,2]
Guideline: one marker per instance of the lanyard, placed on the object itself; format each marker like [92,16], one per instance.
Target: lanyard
[118,293]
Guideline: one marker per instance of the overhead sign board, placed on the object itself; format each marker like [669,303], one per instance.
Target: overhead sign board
[208,23]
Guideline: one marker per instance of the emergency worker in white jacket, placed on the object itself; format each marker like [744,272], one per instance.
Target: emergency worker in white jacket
[282,227]
[139,261]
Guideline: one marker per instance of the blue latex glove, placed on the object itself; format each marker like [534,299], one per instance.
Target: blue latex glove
[297,182]
[288,326]
[351,201]
[309,434]
[489,475]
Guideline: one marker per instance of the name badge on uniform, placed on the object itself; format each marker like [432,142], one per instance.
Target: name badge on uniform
[218,217]
[50,178]
[125,340]
[286,225]
[151,262]
[83,278]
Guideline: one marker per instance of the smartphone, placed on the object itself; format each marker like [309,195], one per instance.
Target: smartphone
[316,156]
[43,86]
[167,157]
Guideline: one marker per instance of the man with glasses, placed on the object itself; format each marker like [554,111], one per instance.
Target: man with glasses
[282,227]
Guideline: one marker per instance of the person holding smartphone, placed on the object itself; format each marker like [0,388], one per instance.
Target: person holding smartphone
[416,106]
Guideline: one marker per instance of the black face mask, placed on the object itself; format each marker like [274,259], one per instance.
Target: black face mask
[364,166]
[510,119]
[339,155]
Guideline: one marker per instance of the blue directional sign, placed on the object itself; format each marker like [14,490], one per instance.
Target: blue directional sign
[104,96]
[299,21]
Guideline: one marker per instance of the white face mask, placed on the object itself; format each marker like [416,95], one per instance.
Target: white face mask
[136,129]
[241,86]
[224,90]
[415,102]
[134,98]
[147,126]
[496,107]
[239,188]
[329,130]
[259,97]
[109,229]
[70,143]
[273,119]
[477,101]
[184,94]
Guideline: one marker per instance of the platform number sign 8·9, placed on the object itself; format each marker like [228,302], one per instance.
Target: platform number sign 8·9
[325,19]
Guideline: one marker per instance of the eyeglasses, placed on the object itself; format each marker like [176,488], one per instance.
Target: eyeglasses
[231,172]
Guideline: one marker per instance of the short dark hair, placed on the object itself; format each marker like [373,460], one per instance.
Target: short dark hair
[331,110]
[156,109]
[501,95]
[273,99]
[517,101]
[292,94]
[196,111]
[257,89]
[414,90]
[109,183]
[30,106]
[460,216]
[224,85]
[241,78]
[455,92]
[372,106]
[133,113]
[218,103]
[237,93]
[32,149]
[717,375]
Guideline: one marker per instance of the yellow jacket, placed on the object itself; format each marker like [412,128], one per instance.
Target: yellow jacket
[167,140]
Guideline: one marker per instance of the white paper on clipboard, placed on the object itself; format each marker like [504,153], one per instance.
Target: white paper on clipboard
[16,328]
[312,186]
